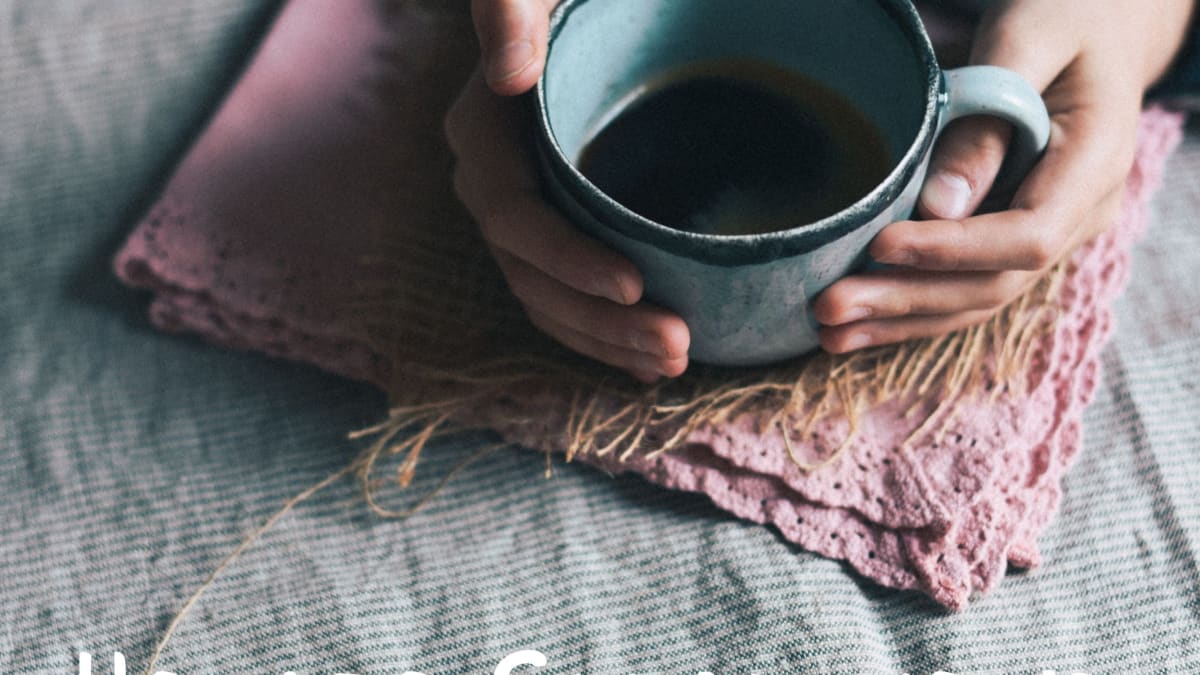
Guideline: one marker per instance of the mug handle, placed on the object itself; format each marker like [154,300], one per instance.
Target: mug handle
[1000,92]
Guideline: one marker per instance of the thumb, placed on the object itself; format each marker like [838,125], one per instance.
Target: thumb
[512,37]
[964,166]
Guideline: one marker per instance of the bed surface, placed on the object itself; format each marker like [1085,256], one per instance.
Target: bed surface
[132,461]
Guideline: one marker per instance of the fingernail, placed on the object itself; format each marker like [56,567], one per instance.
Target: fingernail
[947,195]
[856,314]
[509,61]
[609,287]
[857,341]
[626,290]
[645,363]
[648,341]
[649,364]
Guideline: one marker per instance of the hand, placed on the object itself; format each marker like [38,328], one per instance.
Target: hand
[1093,63]
[573,288]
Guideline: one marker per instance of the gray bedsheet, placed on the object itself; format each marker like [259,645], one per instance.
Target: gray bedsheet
[132,461]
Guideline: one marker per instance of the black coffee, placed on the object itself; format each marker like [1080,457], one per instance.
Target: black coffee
[737,147]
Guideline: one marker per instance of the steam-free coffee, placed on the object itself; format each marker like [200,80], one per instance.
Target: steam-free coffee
[736,147]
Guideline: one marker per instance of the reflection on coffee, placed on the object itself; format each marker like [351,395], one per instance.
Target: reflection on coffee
[736,147]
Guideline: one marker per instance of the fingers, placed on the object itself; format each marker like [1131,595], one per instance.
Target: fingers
[964,166]
[497,182]
[1011,240]
[848,338]
[1082,170]
[962,268]
[963,271]
[533,232]
[574,288]
[642,365]
[522,225]
[970,151]
[485,132]
[642,328]
[897,294]
[867,311]
[512,38]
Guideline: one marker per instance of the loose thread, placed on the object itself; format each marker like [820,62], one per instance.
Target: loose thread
[237,552]
[604,417]
[364,459]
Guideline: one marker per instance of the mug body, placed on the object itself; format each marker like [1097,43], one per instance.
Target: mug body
[746,298]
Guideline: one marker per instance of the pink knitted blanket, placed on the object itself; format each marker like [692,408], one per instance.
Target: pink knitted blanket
[332,137]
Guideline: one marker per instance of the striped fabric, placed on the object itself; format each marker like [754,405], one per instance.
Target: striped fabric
[131,462]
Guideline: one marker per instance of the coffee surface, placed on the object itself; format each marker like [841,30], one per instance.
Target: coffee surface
[736,147]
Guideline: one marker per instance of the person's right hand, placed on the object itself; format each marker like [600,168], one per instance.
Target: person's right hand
[575,289]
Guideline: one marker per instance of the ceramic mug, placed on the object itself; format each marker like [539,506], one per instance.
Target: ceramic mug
[747,299]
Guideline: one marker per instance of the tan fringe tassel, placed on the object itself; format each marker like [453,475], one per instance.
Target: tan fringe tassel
[607,415]
[361,465]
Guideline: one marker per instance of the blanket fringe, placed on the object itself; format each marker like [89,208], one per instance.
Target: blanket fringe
[611,416]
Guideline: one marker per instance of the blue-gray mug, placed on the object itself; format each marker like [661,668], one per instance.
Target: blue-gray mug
[747,298]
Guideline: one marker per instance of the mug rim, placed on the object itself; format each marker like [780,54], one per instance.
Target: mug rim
[751,249]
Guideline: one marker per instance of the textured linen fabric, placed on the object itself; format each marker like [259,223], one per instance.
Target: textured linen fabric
[131,462]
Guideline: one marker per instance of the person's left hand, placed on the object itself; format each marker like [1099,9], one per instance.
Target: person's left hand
[1093,62]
